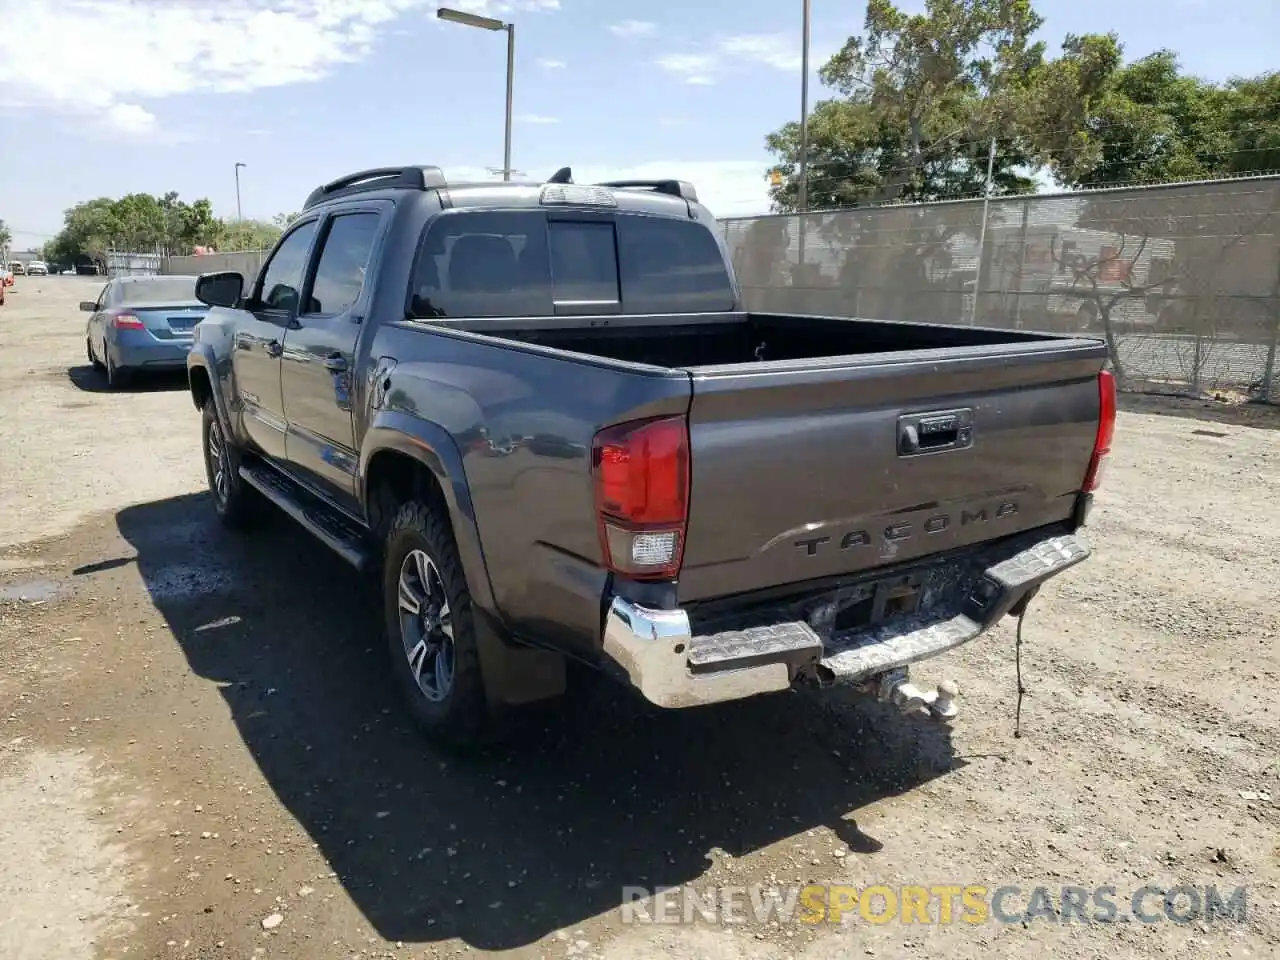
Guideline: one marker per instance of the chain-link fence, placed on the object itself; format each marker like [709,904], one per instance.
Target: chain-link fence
[1183,280]
[129,263]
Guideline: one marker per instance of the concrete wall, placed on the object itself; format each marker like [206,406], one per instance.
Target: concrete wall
[246,263]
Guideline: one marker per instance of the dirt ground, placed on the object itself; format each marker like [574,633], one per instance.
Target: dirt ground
[200,756]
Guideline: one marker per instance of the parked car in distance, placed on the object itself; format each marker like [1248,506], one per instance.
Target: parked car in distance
[141,324]
[37,268]
[540,416]
[16,268]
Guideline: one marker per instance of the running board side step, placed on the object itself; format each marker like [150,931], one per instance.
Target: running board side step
[322,521]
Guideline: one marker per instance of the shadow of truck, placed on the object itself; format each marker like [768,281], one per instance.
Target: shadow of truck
[598,792]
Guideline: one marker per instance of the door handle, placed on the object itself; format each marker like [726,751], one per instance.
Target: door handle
[273,348]
[336,363]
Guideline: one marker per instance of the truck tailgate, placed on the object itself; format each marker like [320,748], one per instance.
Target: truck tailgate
[818,468]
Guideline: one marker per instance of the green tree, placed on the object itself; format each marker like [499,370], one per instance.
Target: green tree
[1148,122]
[88,231]
[921,95]
[138,221]
[283,220]
[248,235]
[1252,114]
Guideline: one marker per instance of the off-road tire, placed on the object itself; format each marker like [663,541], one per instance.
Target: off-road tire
[461,718]
[238,505]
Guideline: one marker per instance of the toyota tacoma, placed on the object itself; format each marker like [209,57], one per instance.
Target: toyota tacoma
[539,416]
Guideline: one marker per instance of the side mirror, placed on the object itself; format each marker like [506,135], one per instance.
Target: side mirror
[222,289]
[88,306]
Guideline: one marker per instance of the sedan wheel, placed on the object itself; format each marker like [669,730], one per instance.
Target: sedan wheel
[115,378]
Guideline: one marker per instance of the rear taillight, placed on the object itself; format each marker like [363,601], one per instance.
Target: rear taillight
[126,321]
[641,473]
[1106,431]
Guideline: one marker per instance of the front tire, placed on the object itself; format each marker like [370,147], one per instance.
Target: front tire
[233,499]
[430,627]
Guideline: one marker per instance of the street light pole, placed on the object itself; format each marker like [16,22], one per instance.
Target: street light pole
[488,23]
[511,78]
[239,214]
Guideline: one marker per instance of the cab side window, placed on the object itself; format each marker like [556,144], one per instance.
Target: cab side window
[282,276]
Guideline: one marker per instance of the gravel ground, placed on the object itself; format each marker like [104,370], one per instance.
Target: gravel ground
[200,758]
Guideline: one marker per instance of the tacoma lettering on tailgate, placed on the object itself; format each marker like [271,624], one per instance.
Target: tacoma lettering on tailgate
[897,532]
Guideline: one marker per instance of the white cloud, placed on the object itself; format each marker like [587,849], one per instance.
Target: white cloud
[536,118]
[129,118]
[695,68]
[551,63]
[53,50]
[778,51]
[728,188]
[771,49]
[633,28]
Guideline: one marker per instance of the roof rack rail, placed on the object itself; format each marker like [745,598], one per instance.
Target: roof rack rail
[379,178]
[675,188]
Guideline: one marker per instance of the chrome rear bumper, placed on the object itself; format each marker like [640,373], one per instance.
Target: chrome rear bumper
[653,647]
[672,667]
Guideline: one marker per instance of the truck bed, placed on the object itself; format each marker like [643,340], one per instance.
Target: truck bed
[799,430]
[715,339]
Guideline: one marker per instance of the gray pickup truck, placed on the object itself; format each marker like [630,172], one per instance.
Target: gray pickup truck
[539,416]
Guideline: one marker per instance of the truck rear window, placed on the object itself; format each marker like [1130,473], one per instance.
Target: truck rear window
[517,263]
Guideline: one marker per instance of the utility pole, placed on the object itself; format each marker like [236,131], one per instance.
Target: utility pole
[239,214]
[802,191]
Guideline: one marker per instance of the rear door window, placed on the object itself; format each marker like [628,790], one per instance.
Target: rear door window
[522,264]
[344,259]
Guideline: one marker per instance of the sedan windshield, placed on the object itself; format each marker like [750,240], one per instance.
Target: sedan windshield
[168,290]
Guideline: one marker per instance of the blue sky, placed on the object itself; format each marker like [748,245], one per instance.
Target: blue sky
[105,97]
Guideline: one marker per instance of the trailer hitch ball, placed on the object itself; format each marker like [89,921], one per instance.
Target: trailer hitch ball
[944,703]
[938,704]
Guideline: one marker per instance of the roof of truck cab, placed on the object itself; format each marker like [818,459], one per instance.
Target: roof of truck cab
[481,195]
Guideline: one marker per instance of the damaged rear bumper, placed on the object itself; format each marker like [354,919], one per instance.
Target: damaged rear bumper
[673,664]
